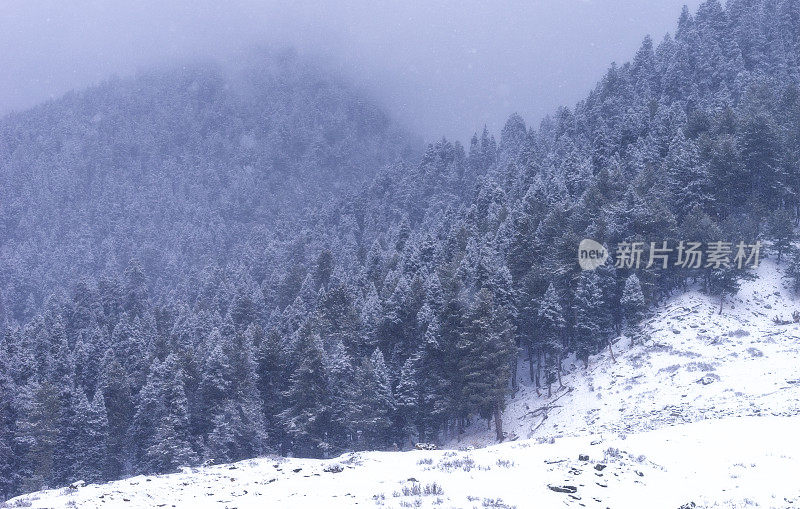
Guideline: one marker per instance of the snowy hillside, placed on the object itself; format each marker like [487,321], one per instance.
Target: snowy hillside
[704,414]
[650,470]
[696,365]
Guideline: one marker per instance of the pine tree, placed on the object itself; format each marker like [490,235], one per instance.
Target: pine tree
[90,439]
[215,382]
[170,447]
[135,289]
[36,440]
[89,348]
[308,416]
[243,311]
[688,176]
[374,403]
[761,152]
[408,398]
[270,369]
[486,351]
[609,317]
[725,281]
[116,391]
[587,308]
[236,432]
[149,410]
[8,459]
[371,317]
[234,420]
[552,323]
[780,230]
[446,347]
[342,384]
[128,344]
[632,303]
[436,378]
[793,269]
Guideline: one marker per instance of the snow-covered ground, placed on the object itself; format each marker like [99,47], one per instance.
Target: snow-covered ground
[706,413]
[696,365]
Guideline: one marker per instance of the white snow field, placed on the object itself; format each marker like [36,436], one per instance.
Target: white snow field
[705,413]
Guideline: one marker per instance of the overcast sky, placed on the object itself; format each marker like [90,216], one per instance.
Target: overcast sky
[443,67]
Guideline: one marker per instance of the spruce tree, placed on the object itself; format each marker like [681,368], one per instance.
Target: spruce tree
[408,398]
[374,403]
[270,369]
[118,398]
[36,440]
[170,447]
[90,439]
[552,323]
[632,303]
[780,230]
[8,458]
[307,418]
[587,308]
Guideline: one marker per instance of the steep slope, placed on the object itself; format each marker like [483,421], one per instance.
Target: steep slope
[695,365]
[704,414]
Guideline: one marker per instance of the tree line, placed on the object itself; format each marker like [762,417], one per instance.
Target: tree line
[401,311]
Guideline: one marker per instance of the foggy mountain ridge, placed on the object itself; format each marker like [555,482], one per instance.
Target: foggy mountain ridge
[149,167]
[443,68]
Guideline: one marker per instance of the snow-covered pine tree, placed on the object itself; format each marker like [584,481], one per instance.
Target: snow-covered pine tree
[780,231]
[588,306]
[9,474]
[89,439]
[633,304]
[407,399]
[307,418]
[170,446]
[551,345]
[374,404]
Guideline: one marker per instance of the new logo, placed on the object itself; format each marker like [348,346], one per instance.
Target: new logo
[591,254]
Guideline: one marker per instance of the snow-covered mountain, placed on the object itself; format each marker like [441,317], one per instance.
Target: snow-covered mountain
[704,413]
[175,287]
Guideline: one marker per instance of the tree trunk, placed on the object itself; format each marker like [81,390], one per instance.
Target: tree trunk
[721,302]
[498,423]
[530,364]
[514,372]
[558,370]
[538,367]
[611,351]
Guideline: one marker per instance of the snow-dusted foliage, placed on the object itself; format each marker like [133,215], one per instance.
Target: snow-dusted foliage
[703,413]
[163,298]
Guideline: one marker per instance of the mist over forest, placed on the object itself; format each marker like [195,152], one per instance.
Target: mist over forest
[248,245]
[442,68]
